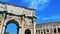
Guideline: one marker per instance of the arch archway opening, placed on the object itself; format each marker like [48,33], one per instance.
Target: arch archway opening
[58,30]
[27,31]
[11,29]
[54,30]
[11,25]
[54,27]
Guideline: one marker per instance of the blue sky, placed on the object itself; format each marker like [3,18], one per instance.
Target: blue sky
[46,10]
[11,28]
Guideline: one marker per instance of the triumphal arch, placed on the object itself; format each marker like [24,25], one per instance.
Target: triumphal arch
[23,17]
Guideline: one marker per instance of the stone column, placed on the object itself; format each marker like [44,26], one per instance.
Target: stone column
[56,29]
[3,29]
[45,29]
[2,25]
[49,28]
[20,31]
[22,25]
[34,26]
[42,30]
[53,30]
[32,31]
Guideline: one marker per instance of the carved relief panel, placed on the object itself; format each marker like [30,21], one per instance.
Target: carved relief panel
[28,12]
[28,22]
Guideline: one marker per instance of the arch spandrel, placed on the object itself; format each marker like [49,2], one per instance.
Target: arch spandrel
[12,21]
[17,22]
[14,18]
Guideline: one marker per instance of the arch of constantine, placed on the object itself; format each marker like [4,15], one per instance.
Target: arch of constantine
[23,17]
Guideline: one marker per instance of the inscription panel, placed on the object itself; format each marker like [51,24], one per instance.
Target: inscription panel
[28,23]
[14,10]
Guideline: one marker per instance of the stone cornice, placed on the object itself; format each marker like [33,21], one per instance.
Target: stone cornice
[17,5]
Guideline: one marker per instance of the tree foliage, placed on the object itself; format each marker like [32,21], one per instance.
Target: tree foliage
[7,33]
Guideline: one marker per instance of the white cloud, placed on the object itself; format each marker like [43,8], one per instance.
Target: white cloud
[45,18]
[5,0]
[35,4]
[24,1]
[52,17]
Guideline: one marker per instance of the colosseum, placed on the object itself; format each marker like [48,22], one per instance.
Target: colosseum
[48,28]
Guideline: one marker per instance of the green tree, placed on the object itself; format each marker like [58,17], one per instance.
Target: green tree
[7,33]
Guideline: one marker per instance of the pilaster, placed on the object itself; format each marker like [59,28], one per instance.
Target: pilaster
[2,25]
[22,25]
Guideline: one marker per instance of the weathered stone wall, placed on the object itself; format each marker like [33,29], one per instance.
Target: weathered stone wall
[20,15]
[51,26]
